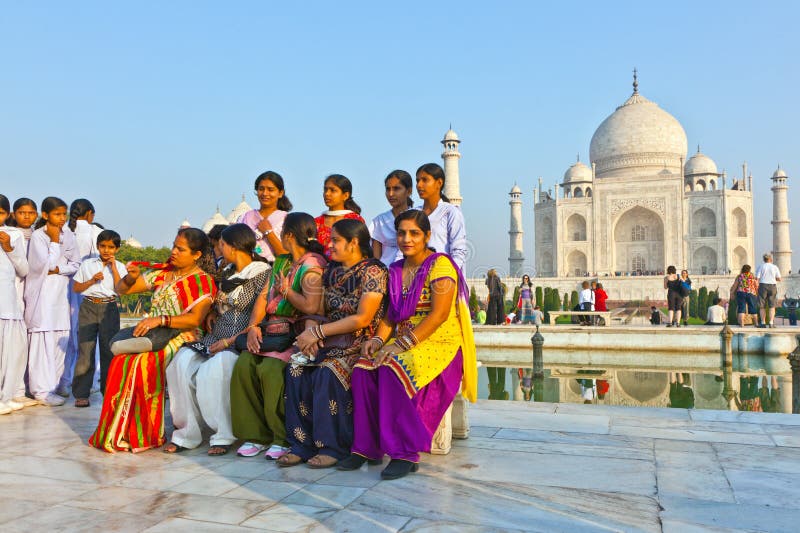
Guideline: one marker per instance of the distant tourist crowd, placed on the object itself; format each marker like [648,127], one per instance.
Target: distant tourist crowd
[317,340]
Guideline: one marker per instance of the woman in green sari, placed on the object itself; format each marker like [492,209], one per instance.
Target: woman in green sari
[257,385]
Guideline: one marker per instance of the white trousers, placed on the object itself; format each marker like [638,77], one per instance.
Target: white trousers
[47,350]
[13,357]
[200,397]
[72,346]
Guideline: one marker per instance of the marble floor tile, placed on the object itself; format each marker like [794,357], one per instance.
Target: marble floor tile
[294,474]
[618,410]
[545,421]
[160,479]
[250,467]
[171,525]
[510,407]
[727,516]
[688,434]
[482,431]
[346,521]
[108,498]
[289,518]
[12,508]
[690,425]
[326,496]
[744,416]
[63,518]
[644,453]
[695,447]
[365,477]
[209,485]
[263,490]
[420,525]
[758,458]
[196,507]
[40,489]
[67,469]
[562,437]
[697,476]
[761,487]
[677,526]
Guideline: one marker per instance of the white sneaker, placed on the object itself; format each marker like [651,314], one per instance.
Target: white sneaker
[51,400]
[16,406]
[250,449]
[275,452]
[25,401]
[4,408]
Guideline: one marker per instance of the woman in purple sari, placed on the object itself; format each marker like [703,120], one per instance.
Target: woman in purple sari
[402,389]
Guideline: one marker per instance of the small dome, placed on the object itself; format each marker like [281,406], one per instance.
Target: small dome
[665,172]
[780,173]
[450,135]
[515,189]
[578,172]
[238,211]
[217,219]
[133,243]
[700,163]
[185,224]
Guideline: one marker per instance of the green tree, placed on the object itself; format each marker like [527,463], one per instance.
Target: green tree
[573,300]
[539,297]
[556,300]
[473,301]
[702,303]
[693,303]
[547,303]
[732,318]
[565,303]
[126,253]
[514,300]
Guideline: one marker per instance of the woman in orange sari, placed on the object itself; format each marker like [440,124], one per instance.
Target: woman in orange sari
[133,403]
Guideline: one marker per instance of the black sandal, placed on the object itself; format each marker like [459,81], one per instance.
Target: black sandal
[398,468]
[219,449]
[174,448]
[355,461]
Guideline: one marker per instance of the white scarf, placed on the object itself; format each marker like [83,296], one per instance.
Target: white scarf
[337,212]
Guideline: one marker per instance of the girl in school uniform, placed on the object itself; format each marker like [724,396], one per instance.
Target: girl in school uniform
[384,237]
[52,259]
[81,218]
[338,197]
[13,338]
[23,218]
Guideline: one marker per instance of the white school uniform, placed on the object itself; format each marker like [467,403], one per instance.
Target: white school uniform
[47,313]
[381,229]
[13,335]
[86,246]
[449,232]
[20,283]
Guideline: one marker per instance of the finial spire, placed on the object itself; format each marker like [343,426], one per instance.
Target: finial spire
[698,148]
[635,81]
[579,158]
[451,125]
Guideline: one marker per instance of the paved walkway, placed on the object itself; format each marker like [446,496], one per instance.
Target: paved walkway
[526,467]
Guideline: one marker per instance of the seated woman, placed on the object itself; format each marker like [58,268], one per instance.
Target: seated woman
[132,417]
[319,406]
[199,377]
[294,289]
[401,390]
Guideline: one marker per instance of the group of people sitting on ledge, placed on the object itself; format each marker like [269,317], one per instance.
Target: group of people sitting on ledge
[307,340]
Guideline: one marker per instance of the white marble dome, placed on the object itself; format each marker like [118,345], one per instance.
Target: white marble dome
[780,173]
[578,172]
[215,220]
[638,135]
[515,189]
[700,163]
[450,135]
[133,243]
[238,211]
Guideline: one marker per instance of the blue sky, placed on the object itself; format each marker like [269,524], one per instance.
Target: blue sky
[160,111]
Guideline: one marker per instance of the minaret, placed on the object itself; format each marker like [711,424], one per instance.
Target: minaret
[451,156]
[515,257]
[781,246]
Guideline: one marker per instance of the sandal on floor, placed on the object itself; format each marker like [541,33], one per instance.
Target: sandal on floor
[322,461]
[355,461]
[289,459]
[82,402]
[219,449]
[174,448]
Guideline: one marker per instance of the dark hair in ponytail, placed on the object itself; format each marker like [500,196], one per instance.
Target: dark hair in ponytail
[349,229]
[198,242]
[304,229]
[283,202]
[437,173]
[405,180]
[77,209]
[51,203]
[345,186]
[19,203]
[240,237]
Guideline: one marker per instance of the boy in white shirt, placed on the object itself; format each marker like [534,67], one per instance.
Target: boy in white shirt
[98,317]
[586,301]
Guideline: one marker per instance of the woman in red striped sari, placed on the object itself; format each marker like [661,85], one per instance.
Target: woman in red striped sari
[133,403]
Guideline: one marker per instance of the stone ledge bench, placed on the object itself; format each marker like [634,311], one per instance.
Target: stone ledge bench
[605,315]
[454,425]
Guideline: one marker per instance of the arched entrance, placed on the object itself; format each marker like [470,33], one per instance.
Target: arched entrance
[638,233]
[704,261]
[576,263]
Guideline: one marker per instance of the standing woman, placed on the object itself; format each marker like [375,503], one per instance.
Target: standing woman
[267,220]
[448,231]
[23,218]
[52,260]
[384,237]
[133,403]
[401,390]
[672,283]
[81,218]
[199,376]
[494,301]
[319,405]
[13,335]
[338,198]
[257,388]
[745,289]
[526,300]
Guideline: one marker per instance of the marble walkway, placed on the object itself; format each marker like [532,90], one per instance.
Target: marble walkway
[525,467]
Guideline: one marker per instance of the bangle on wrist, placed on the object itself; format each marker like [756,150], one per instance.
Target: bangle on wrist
[379,340]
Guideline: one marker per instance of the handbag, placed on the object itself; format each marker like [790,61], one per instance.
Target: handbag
[277,335]
[154,340]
